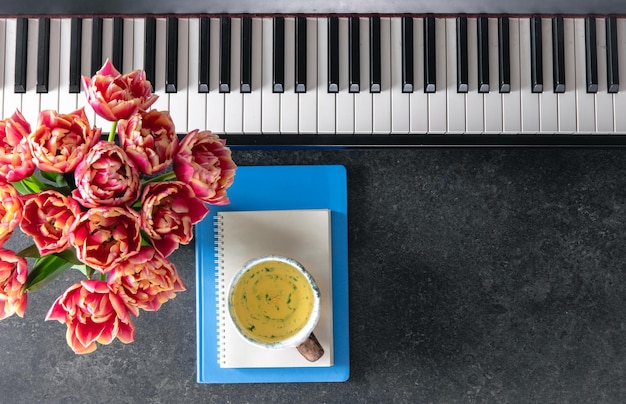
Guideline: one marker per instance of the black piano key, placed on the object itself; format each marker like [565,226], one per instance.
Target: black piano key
[149,55]
[504,55]
[76,35]
[430,65]
[375,55]
[333,55]
[117,57]
[354,50]
[171,55]
[278,67]
[204,59]
[96,45]
[43,55]
[612,64]
[407,55]
[536,55]
[21,53]
[300,59]
[246,56]
[224,55]
[482,32]
[558,55]
[591,55]
[462,84]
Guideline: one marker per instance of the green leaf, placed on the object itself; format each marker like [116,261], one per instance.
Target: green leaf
[29,252]
[45,270]
[69,255]
[21,188]
[84,269]
[146,241]
[46,175]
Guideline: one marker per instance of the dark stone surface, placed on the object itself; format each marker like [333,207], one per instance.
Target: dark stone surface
[476,275]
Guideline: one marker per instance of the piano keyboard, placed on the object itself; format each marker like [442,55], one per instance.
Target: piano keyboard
[394,79]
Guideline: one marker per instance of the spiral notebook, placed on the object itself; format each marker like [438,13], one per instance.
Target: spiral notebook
[277,188]
[303,235]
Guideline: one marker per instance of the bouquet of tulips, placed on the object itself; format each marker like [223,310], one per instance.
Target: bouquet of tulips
[112,209]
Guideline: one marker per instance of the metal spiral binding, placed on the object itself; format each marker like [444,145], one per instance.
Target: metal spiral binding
[220,291]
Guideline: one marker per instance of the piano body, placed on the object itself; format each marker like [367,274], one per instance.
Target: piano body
[338,73]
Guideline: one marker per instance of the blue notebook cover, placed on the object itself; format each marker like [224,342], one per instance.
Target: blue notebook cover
[276,188]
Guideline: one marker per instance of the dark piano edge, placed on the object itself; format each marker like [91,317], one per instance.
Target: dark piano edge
[302,142]
[309,7]
[468,14]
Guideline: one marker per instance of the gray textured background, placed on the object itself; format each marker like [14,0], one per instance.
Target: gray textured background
[476,275]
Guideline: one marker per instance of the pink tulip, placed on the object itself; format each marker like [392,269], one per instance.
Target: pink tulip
[168,212]
[16,162]
[60,141]
[10,210]
[92,313]
[106,177]
[13,275]
[105,236]
[204,162]
[146,280]
[149,139]
[116,96]
[47,217]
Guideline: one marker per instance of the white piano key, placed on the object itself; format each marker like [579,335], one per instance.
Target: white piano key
[107,41]
[474,101]
[107,52]
[289,98]
[344,99]
[3,89]
[196,102]
[307,102]
[162,103]
[363,99]
[455,101]
[12,100]
[437,102]
[270,111]
[325,100]
[68,102]
[178,100]
[548,112]
[418,119]
[567,100]
[50,100]
[604,100]
[399,100]
[233,101]
[129,44]
[382,101]
[30,100]
[585,103]
[139,40]
[529,100]
[511,102]
[252,103]
[620,98]
[85,64]
[493,99]
[214,99]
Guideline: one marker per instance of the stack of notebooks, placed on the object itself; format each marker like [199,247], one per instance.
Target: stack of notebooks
[295,211]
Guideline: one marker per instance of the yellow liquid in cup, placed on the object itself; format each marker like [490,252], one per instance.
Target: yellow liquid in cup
[271,302]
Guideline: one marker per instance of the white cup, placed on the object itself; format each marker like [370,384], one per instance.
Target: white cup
[274,303]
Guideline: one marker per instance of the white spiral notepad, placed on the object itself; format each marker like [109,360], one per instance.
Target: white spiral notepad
[303,235]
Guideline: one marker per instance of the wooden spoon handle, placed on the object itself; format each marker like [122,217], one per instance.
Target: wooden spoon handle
[311,349]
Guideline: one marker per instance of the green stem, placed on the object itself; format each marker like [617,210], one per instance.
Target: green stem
[112,132]
[163,177]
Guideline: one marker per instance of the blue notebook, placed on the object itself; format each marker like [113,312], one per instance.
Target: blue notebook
[276,188]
